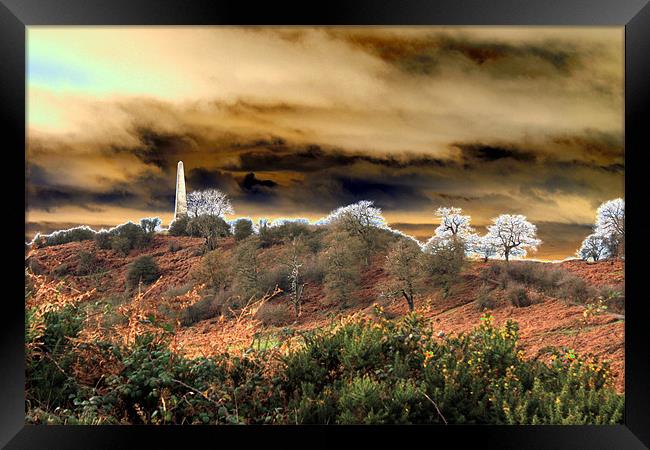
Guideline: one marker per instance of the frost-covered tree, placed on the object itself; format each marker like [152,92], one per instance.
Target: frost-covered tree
[513,235]
[483,246]
[595,247]
[453,223]
[209,202]
[361,219]
[610,224]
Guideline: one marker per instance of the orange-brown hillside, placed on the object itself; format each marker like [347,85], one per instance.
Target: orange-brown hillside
[548,322]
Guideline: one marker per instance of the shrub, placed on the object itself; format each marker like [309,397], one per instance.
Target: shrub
[211,305]
[177,291]
[213,271]
[343,257]
[443,261]
[34,266]
[63,269]
[278,314]
[174,246]
[127,237]
[518,296]
[150,224]
[103,240]
[614,298]
[88,263]
[355,371]
[554,282]
[484,299]
[286,231]
[243,229]
[179,226]
[576,289]
[121,245]
[246,269]
[277,275]
[77,234]
[142,270]
[210,228]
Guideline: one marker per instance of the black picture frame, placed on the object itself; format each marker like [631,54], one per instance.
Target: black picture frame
[634,15]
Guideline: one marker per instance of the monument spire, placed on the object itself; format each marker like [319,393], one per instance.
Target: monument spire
[181,200]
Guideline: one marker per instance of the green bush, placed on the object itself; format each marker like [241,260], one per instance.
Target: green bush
[142,270]
[213,271]
[127,237]
[243,229]
[121,245]
[443,261]
[88,263]
[103,240]
[353,372]
[210,228]
[179,226]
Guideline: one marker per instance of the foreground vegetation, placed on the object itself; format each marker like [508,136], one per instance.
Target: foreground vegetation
[354,372]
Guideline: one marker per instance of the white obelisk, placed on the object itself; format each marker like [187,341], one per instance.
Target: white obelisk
[181,200]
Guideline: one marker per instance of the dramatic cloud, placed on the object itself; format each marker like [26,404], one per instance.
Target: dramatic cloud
[297,121]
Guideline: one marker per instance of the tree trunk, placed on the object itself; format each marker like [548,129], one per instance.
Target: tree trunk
[409,300]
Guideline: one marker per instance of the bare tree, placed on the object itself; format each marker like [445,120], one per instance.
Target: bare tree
[595,247]
[453,223]
[294,260]
[513,234]
[404,265]
[483,246]
[610,224]
[210,202]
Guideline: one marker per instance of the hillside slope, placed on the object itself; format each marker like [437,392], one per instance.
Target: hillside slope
[548,322]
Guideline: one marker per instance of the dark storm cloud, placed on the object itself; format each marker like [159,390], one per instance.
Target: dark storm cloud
[201,178]
[251,183]
[430,54]
[488,153]
[312,158]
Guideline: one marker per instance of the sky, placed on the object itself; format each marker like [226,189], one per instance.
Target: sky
[296,121]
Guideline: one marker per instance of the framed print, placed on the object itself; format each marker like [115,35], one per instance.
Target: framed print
[356,221]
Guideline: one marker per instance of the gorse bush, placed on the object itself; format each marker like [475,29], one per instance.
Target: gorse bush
[353,372]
